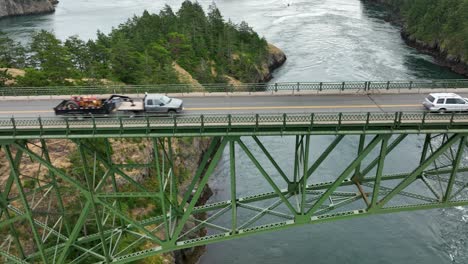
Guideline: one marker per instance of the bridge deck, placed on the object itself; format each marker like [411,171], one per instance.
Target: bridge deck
[232,124]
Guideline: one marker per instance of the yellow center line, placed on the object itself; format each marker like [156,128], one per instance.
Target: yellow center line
[250,108]
[300,107]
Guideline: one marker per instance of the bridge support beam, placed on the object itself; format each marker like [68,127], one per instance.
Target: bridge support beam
[108,207]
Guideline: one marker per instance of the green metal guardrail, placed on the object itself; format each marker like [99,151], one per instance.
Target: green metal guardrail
[230,124]
[228,88]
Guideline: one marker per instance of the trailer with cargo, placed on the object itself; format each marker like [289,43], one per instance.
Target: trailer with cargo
[150,103]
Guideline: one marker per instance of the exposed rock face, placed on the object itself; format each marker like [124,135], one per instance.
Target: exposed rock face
[185,77]
[442,57]
[25,7]
[263,73]
[454,62]
[193,255]
[276,58]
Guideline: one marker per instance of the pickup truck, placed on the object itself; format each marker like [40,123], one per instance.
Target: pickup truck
[151,103]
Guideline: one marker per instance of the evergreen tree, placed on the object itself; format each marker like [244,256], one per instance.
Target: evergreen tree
[439,23]
[12,54]
[79,54]
[143,50]
[126,62]
[51,57]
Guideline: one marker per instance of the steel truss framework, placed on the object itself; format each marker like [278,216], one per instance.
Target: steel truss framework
[39,223]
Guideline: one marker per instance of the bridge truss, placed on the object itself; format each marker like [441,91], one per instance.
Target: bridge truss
[100,210]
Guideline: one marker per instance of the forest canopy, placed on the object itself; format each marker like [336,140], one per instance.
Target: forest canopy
[142,51]
[442,23]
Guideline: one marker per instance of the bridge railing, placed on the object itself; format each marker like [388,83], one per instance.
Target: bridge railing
[228,122]
[293,87]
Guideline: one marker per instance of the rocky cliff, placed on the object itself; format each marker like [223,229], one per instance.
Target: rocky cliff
[436,49]
[275,59]
[436,28]
[263,73]
[25,7]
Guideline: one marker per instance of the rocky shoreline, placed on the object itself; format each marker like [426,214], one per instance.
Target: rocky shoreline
[26,7]
[276,58]
[263,73]
[441,57]
[193,255]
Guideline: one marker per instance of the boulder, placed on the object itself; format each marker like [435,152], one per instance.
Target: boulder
[25,7]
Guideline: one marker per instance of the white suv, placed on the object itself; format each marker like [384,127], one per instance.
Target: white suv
[445,102]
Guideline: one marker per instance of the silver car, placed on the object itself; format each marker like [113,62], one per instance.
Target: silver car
[445,102]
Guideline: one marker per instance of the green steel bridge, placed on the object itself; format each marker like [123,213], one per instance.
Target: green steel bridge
[48,215]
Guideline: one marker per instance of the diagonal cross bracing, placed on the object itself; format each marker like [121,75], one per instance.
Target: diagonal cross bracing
[104,229]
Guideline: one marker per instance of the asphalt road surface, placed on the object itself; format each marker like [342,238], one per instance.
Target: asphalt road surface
[255,104]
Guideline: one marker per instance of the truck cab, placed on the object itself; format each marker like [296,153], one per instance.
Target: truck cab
[159,103]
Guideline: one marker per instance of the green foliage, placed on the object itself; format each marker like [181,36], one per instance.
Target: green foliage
[442,23]
[29,184]
[93,169]
[143,50]
[33,78]
[12,54]
[52,57]
[80,55]
[126,62]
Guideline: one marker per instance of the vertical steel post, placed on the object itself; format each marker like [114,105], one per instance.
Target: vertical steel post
[13,232]
[272,160]
[56,188]
[345,174]
[74,234]
[390,148]
[298,155]
[232,159]
[90,185]
[201,168]
[416,172]
[304,174]
[266,176]
[357,171]
[378,176]
[11,179]
[174,204]
[24,200]
[174,180]
[455,165]
[427,142]
[109,166]
[167,233]
[112,172]
[323,156]
[199,191]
